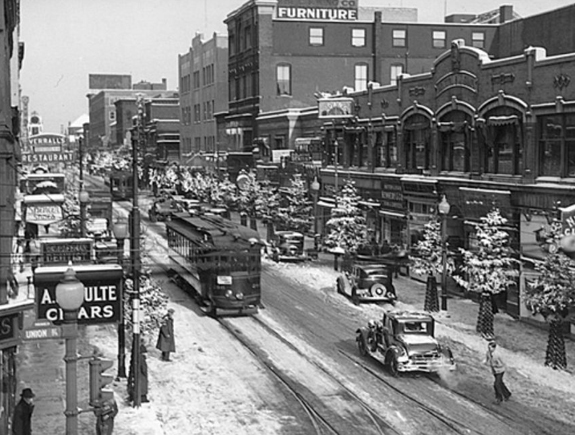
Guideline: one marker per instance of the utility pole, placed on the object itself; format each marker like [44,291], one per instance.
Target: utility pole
[135,254]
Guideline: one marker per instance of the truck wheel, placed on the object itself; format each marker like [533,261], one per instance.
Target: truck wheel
[362,345]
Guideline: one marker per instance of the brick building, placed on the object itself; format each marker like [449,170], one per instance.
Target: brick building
[203,81]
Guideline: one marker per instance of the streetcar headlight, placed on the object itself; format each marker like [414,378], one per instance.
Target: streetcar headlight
[229,294]
[239,296]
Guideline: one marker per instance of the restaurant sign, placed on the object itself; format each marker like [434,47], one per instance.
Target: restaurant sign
[47,157]
[102,293]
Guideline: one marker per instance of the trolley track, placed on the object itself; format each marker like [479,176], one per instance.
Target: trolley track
[324,420]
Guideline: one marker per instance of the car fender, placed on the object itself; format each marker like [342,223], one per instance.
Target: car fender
[346,284]
[362,332]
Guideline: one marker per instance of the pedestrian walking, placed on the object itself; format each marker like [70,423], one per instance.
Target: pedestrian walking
[498,369]
[166,342]
[105,415]
[22,420]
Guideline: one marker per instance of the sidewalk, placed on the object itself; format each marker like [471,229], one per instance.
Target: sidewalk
[41,366]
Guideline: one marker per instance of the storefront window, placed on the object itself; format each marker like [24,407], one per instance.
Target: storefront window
[557,144]
[455,140]
[417,142]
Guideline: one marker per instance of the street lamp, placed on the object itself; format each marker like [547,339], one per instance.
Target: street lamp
[443,209]
[314,187]
[120,230]
[84,198]
[70,296]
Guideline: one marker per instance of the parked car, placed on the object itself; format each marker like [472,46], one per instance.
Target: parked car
[405,342]
[367,283]
[288,245]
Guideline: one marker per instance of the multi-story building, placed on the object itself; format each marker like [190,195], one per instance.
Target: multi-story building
[203,93]
[282,54]
[483,131]
[102,111]
[11,311]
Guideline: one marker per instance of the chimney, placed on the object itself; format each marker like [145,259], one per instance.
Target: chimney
[165,84]
[505,13]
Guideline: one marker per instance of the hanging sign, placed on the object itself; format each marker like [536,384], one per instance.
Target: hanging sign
[102,293]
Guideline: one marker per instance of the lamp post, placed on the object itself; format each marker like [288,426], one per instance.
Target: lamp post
[70,296]
[443,209]
[84,198]
[120,230]
[314,187]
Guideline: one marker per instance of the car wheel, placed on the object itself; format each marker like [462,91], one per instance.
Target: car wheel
[362,345]
[392,364]
[339,286]
[354,296]
[378,290]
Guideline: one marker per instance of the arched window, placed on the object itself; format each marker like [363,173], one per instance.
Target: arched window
[454,141]
[417,134]
[502,142]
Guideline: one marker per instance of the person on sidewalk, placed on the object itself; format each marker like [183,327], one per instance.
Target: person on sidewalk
[143,379]
[498,369]
[22,420]
[105,415]
[166,342]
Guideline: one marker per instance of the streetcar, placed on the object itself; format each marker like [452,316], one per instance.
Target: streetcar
[121,185]
[218,261]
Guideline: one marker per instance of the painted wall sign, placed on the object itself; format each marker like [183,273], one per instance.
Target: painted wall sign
[314,13]
[335,108]
[102,293]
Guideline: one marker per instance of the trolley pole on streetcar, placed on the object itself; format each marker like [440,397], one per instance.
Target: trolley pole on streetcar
[135,255]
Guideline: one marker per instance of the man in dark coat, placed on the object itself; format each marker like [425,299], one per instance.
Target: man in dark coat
[22,420]
[143,379]
[105,415]
[166,342]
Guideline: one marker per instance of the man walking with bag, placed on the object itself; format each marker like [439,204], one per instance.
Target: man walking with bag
[166,342]
[498,369]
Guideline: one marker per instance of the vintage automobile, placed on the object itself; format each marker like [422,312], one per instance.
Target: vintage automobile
[162,209]
[288,246]
[367,283]
[405,342]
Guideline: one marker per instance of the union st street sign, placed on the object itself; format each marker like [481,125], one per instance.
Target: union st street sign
[103,285]
[42,333]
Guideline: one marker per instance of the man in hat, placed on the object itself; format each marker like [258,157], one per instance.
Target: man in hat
[166,342]
[22,420]
[498,369]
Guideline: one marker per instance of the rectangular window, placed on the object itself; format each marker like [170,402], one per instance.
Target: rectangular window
[396,70]
[358,37]
[399,38]
[283,73]
[557,145]
[316,36]
[112,115]
[439,39]
[360,77]
[478,39]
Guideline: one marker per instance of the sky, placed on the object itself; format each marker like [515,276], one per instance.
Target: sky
[66,40]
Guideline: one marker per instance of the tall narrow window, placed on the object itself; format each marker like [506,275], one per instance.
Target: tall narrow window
[360,77]
[455,140]
[399,38]
[283,73]
[478,39]
[503,150]
[438,39]
[417,133]
[358,37]
[396,70]
[316,36]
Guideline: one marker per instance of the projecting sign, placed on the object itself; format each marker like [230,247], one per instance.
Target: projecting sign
[102,293]
[47,157]
[65,250]
[43,214]
[335,108]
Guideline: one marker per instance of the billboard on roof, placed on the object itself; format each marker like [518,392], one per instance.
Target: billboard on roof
[110,81]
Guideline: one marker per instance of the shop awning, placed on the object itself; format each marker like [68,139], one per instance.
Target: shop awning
[503,120]
[326,204]
[392,214]
[368,203]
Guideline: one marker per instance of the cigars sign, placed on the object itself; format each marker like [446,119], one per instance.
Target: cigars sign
[102,293]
